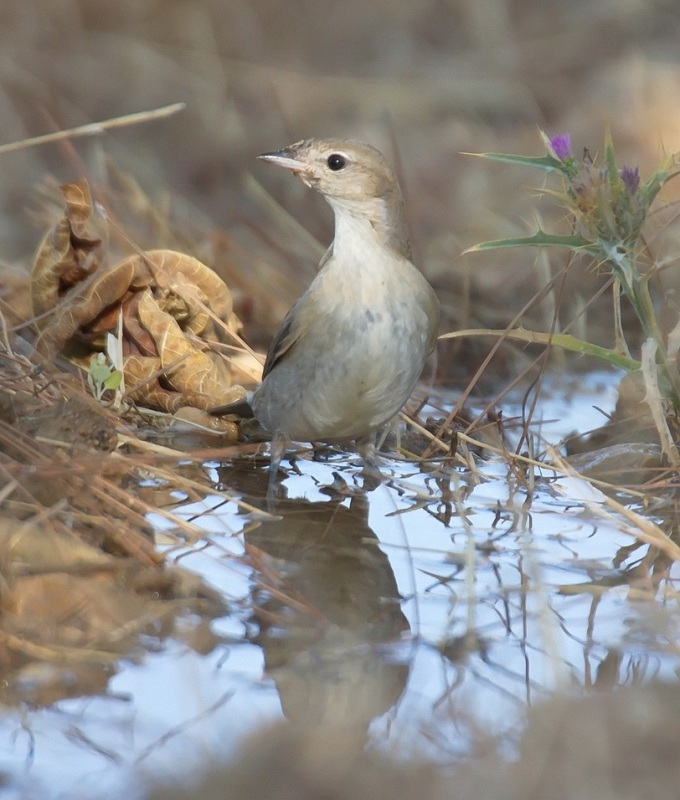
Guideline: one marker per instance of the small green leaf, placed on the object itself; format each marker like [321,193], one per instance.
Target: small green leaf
[113,381]
[99,369]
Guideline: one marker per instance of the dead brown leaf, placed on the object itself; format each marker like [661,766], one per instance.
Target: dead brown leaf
[172,308]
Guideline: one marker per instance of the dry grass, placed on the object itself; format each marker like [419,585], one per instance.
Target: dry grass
[425,82]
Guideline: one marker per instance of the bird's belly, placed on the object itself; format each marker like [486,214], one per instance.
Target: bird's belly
[354,382]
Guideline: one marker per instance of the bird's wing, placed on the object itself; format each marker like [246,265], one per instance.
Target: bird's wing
[290,331]
[434,315]
[287,335]
[434,328]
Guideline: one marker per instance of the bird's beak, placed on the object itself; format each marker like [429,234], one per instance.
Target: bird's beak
[285,158]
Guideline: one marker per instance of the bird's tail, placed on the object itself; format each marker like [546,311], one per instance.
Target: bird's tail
[239,408]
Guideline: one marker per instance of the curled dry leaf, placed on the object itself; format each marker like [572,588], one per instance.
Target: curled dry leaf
[69,251]
[172,306]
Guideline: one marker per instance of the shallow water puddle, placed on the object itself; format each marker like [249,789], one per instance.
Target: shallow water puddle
[436,604]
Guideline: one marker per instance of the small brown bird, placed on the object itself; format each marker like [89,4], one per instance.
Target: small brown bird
[351,349]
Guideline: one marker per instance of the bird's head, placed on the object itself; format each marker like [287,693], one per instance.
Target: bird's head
[343,170]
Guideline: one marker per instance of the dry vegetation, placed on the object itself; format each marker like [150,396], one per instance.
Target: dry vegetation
[425,82]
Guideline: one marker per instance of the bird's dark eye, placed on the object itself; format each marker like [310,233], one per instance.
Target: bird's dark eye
[336,162]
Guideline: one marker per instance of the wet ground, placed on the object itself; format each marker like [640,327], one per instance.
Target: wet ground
[422,612]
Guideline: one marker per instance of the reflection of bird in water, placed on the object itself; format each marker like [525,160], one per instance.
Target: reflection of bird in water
[328,646]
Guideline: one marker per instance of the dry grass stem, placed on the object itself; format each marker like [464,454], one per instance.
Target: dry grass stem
[94,128]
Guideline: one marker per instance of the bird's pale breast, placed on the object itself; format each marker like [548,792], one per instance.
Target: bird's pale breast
[366,347]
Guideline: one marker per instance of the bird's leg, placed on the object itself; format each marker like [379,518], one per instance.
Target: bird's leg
[322,452]
[369,455]
[276,451]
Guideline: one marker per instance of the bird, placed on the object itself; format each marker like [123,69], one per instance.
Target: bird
[351,349]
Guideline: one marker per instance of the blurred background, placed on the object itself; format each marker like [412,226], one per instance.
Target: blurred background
[423,81]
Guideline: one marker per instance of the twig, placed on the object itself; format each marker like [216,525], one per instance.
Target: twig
[94,128]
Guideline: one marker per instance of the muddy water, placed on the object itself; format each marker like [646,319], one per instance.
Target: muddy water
[422,611]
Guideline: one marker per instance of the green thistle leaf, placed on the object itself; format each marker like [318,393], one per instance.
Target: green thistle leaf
[539,239]
[546,163]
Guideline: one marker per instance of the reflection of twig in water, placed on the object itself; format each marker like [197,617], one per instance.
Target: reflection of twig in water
[639,527]
[184,726]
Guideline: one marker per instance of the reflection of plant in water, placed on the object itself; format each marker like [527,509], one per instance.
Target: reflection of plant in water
[608,206]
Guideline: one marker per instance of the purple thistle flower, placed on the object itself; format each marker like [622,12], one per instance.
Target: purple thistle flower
[561,146]
[631,178]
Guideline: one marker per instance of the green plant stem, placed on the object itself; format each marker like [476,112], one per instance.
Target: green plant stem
[620,343]
[636,289]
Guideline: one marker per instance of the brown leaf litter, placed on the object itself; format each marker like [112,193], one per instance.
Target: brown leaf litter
[169,307]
